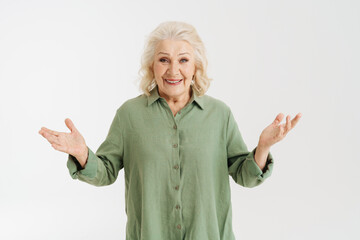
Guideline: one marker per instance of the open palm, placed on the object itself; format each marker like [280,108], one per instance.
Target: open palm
[275,132]
[72,143]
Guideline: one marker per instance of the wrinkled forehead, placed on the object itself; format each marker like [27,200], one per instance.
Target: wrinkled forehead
[174,48]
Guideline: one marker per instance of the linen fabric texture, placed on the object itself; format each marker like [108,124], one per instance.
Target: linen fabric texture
[176,168]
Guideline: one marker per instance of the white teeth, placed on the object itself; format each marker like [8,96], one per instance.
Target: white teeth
[172,81]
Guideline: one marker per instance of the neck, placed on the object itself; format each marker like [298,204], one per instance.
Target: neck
[176,102]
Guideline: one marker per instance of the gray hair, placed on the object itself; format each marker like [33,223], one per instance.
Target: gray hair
[175,31]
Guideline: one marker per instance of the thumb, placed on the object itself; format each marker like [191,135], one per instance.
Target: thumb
[70,125]
[278,119]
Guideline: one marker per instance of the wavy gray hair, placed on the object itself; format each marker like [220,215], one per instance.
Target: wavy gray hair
[176,31]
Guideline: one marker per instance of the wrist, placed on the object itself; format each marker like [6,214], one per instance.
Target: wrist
[261,154]
[263,147]
[82,158]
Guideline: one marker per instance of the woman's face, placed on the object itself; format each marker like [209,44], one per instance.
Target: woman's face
[174,67]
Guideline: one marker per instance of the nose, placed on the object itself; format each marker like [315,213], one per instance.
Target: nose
[174,69]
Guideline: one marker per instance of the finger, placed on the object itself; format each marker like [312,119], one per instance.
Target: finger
[278,119]
[295,120]
[288,124]
[70,125]
[283,127]
[51,138]
[281,131]
[44,129]
[44,133]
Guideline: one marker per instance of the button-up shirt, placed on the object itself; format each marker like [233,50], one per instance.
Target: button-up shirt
[176,168]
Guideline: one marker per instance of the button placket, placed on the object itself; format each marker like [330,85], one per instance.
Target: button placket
[176,166]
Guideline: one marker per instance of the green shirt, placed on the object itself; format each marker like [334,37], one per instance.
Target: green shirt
[176,167]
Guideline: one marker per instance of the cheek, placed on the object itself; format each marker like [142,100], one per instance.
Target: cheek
[189,71]
[158,70]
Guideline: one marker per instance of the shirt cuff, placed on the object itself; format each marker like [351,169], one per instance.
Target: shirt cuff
[255,170]
[88,171]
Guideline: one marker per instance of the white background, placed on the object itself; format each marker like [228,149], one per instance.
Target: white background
[80,59]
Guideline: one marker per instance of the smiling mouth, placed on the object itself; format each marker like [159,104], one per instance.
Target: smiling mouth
[173,81]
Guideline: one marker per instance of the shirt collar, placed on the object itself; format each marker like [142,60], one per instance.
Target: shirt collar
[154,95]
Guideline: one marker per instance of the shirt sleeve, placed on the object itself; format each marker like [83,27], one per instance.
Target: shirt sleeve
[102,167]
[241,163]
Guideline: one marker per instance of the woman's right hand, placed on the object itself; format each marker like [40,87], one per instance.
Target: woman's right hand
[72,143]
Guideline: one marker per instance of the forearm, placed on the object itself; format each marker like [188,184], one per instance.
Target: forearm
[261,155]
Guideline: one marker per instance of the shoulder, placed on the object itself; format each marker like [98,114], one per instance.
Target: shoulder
[134,104]
[215,104]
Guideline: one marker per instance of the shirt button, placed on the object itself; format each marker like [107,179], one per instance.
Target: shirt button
[176,166]
[179,112]
[178,226]
[175,127]
[177,187]
[177,207]
[175,145]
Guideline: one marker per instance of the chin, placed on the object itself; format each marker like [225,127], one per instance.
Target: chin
[174,91]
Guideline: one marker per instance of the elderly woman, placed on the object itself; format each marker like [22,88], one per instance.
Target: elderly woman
[177,146]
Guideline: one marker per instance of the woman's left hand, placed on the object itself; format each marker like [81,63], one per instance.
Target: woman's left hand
[275,132]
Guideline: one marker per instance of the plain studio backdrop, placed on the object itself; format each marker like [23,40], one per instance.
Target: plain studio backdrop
[80,60]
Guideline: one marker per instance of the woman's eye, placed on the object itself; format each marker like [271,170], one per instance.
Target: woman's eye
[163,60]
[184,60]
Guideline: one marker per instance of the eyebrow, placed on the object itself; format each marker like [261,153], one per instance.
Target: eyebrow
[178,54]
